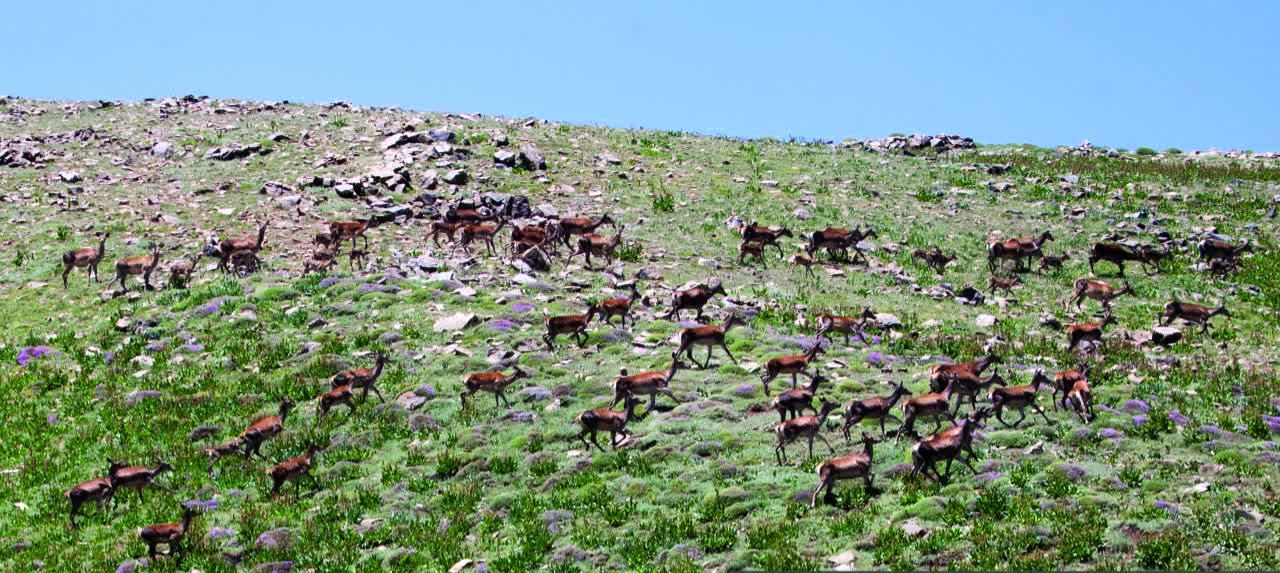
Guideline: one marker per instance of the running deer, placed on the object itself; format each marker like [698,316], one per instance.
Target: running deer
[805,260]
[996,284]
[530,236]
[1081,399]
[591,244]
[753,249]
[796,400]
[1062,382]
[137,266]
[1191,313]
[340,396]
[229,246]
[1018,249]
[943,447]
[470,216]
[649,383]
[1218,249]
[840,240]
[847,325]
[180,271]
[693,299]
[875,408]
[294,469]
[97,490]
[934,258]
[794,365]
[574,325]
[1099,291]
[708,336]
[1088,332]
[1052,262]
[933,405]
[445,228]
[138,478]
[493,382]
[941,374]
[605,420]
[845,468]
[979,417]
[808,427]
[570,226]
[766,236]
[85,258]
[218,451]
[1118,254]
[344,230]
[265,429]
[620,306]
[1019,398]
[969,385]
[363,379]
[485,233]
[168,534]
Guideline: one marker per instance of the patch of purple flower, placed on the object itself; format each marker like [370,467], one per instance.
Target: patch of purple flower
[220,532]
[878,359]
[207,310]
[1139,420]
[33,352]
[192,348]
[522,306]
[1136,406]
[502,324]
[157,346]
[1268,457]
[328,282]
[1212,431]
[745,390]
[108,357]
[1109,409]
[689,324]
[1073,472]
[1111,434]
[1273,423]
[1178,418]
[208,505]
[52,419]
[1083,433]
[1169,507]
[987,477]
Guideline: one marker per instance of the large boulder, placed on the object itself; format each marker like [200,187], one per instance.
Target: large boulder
[531,158]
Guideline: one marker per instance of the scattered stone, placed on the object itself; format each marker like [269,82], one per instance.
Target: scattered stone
[1165,335]
[453,322]
[986,321]
[505,158]
[274,539]
[531,158]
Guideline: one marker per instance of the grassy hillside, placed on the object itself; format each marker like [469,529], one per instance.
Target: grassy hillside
[1177,471]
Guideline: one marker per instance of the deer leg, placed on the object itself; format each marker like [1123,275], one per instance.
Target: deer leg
[375,391]
[1000,416]
[1040,411]
[824,440]
[822,483]
[66,270]
[946,478]
[1022,415]
[548,338]
[967,464]
[726,351]
[780,452]
[811,444]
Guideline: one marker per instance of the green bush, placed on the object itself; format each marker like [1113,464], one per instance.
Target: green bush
[1145,151]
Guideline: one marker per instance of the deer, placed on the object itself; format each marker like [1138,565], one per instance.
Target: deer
[649,383]
[997,283]
[606,420]
[321,260]
[590,244]
[1062,382]
[934,258]
[709,336]
[180,271]
[341,396]
[324,240]
[796,400]
[805,260]
[844,468]
[357,257]
[940,374]
[1019,398]
[244,261]
[229,246]
[931,405]
[939,447]
[1118,254]
[567,227]
[1217,249]
[265,429]
[807,426]
[754,233]
[754,249]
[97,490]
[1018,249]
[494,382]
[794,365]
[364,379]
[969,385]
[574,325]
[85,258]
[979,416]
[484,233]
[470,216]
[875,408]
[167,534]
[294,469]
[1052,262]
[530,236]
[847,325]
[344,230]
[445,228]
[1081,400]
[1099,291]
[1088,332]
[143,266]
[619,306]
[138,478]
[218,451]
[1191,313]
[693,299]
[839,240]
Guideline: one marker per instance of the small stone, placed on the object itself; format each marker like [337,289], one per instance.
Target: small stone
[1165,335]
[986,320]
[456,321]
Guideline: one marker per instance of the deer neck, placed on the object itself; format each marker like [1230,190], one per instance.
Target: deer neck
[894,398]
[671,372]
[186,521]
[377,366]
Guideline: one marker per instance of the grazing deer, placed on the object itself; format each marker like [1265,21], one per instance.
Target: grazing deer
[766,236]
[996,284]
[344,230]
[754,249]
[968,385]
[167,534]
[844,468]
[1192,313]
[619,306]
[1018,249]
[1019,398]
[708,336]
[934,258]
[85,258]
[796,400]
[229,246]
[1118,255]
[363,379]
[484,233]
[138,478]
[605,420]
[649,383]
[941,374]
[808,427]
[1053,262]
[98,490]
[133,266]
[805,260]
[1081,399]
[342,395]
[1097,290]
[1217,249]
[294,469]
[1088,332]
[180,271]
[847,325]
[591,244]
[443,228]
[939,447]
[695,298]
[218,451]
[494,382]
[265,429]
[840,240]
[875,408]
[574,325]
[570,226]
[794,365]
[933,405]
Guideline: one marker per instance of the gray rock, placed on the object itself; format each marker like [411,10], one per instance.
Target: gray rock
[161,149]
[801,213]
[274,539]
[547,210]
[410,401]
[456,177]
[531,158]
[537,259]
[453,322]
[504,157]
[1165,335]
[534,393]
[887,320]
[442,135]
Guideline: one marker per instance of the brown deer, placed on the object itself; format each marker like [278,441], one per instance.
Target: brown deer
[805,260]
[997,283]
[167,534]
[1081,399]
[605,420]
[570,226]
[766,236]
[1018,249]
[795,365]
[934,258]
[1052,262]
[708,336]
[695,298]
[1019,398]
[363,379]
[85,258]
[649,383]
[591,244]
[97,490]
[530,236]
[265,429]
[940,374]
[244,262]
[620,306]
[445,228]
[321,260]
[138,478]
[484,233]
[218,451]
[1062,382]
[847,325]
[969,385]
[1218,249]
[1088,332]
[979,416]
[875,408]
[754,249]
[808,427]
[796,400]
[1191,313]
[933,405]
[574,325]
[344,230]
[134,266]
[294,469]
[229,246]
[840,240]
[342,395]
[943,447]
[470,216]
[1099,291]
[844,468]
[180,271]
[1118,254]
[357,258]
[493,382]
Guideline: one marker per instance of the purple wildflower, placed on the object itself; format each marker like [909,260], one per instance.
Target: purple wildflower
[32,352]
[502,324]
[1178,418]
[1268,457]
[1139,420]
[1269,445]
[1212,430]
[988,477]
[1136,406]
[1083,433]
[220,532]
[1111,434]
[209,505]
[108,357]
[1168,507]
[1273,423]
[522,306]
[207,310]
[328,282]
[1073,472]
[1109,409]
[52,419]
[370,287]
[745,390]
[192,348]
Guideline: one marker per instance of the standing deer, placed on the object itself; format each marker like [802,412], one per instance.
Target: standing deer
[840,240]
[363,379]
[847,325]
[1062,382]
[619,306]
[167,534]
[969,385]
[796,400]
[1218,249]
[1118,254]
[229,246]
[934,258]
[1087,332]
[180,271]
[138,478]
[708,336]
[98,490]
[1018,249]
[570,226]
[1099,291]
[932,405]
[493,382]
[85,258]
[1081,399]
[808,427]
[941,374]
[875,408]
[484,233]
[754,249]
[766,236]
[846,467]
[1052,262]
[135,266]
[344,230]
[591,244]
[794,365]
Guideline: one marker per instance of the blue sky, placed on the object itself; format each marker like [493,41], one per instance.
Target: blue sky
[1187,74]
